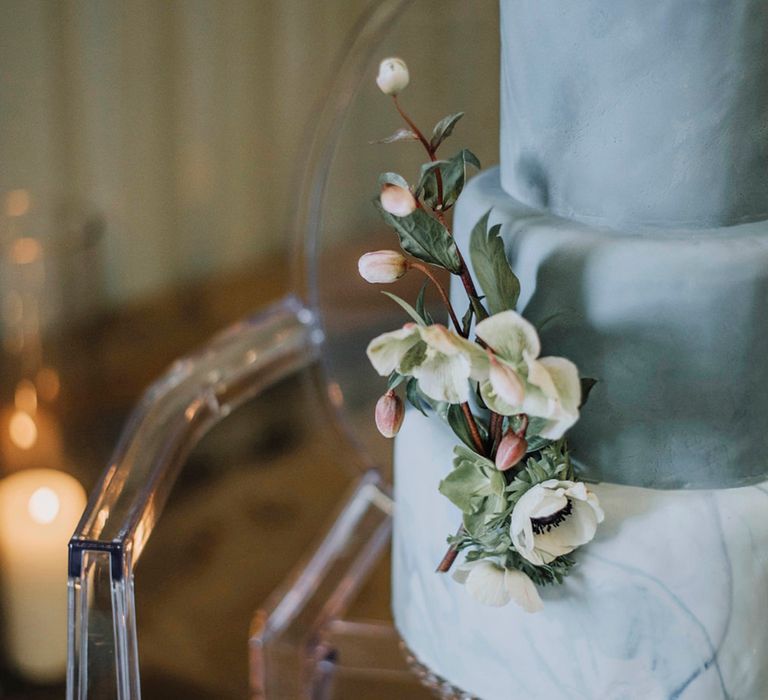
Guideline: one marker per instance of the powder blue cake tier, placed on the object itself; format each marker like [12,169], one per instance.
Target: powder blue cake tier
[633,198]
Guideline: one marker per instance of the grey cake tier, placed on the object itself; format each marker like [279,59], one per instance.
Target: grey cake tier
[637,111]
[673,324]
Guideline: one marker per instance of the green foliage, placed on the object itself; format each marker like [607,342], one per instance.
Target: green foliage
[415,397]
[395,380]
[475,486]
[466,321]
[406,307]
[543,574]
[443,129]
[392,179]
[553,462]
[425,238]
[455,418]
[500,284]
[421,308]
[453,173]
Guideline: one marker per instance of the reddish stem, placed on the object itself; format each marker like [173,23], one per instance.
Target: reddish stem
[443,295]
[473,429]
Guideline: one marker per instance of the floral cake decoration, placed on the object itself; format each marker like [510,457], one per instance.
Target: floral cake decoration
[523,509]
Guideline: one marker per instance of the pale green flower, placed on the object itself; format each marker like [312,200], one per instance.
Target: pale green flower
[549,386]
[439,359]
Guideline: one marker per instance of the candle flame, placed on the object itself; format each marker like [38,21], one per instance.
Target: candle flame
[43,505]
[23,430]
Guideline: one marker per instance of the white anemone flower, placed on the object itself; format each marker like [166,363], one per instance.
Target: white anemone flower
[491,584]
[441,360]
[553,518]
[551,389]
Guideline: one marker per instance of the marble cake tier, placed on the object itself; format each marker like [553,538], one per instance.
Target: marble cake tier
[673,324]
[668,601]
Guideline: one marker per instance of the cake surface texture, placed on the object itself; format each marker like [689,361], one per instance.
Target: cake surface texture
[632,195]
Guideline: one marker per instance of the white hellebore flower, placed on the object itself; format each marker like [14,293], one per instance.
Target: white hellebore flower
[549,386]
[553,518]
[382,266]
[393,76]
[491,584]
[441,360]
[397,200]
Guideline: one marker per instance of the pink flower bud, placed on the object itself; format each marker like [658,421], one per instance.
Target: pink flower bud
[393,76]
[505,382]
[512,449]
[382,266]
[397,200]
[389,414]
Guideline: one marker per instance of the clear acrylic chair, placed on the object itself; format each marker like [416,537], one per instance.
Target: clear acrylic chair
[299,639]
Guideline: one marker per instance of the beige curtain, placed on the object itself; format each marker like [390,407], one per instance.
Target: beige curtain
[181,120]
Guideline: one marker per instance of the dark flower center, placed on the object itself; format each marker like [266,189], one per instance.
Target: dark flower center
[541,525]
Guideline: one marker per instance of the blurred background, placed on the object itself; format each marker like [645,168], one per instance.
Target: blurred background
[151,153]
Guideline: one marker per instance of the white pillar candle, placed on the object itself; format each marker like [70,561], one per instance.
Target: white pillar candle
[39,510]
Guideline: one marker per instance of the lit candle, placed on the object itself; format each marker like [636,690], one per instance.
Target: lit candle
[39,510]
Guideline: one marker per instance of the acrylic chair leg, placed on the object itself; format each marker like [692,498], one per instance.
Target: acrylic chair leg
[292,654]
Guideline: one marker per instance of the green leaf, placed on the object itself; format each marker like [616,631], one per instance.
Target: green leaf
[587,384]
[406,306]
[453,173]
[462,484]
[489,261]
[553,462]
[474,485]
[455,418]
[443,129]
[420,305]
[395,379]
[466,320]
[392,179]
[415,397]
[399,135]
[425,238]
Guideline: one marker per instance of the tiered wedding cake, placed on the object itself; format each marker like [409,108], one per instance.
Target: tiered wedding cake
[633,195]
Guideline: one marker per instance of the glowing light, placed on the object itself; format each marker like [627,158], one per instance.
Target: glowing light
[17,202]
[26,250]
[25,398]
[48,383]
[44,505]
[23,430]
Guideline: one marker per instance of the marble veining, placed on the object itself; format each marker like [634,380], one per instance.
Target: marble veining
[670,601]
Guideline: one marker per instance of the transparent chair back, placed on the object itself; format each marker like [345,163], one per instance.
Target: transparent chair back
[299,637]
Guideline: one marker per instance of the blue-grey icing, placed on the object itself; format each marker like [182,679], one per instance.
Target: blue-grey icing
[674,325]
[637,111]
[669,602]
[633,198]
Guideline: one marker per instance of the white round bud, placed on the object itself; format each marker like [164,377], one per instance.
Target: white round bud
[382,266]
[389,414]
[393,76]
[397,200]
